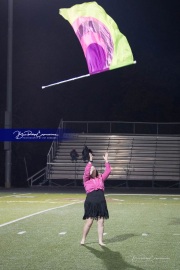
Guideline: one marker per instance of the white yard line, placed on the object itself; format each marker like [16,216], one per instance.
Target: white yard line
[15,195]
[29,202]
[37,213]
[154,195]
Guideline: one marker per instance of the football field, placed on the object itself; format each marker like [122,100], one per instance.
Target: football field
[42,230]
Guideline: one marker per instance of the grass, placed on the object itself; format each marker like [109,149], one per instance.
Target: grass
[143,232]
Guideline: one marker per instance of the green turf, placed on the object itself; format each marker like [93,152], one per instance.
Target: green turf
[143,232]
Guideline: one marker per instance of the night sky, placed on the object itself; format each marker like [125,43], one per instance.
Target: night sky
[46,50]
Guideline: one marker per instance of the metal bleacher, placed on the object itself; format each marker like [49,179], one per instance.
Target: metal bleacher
[132,157]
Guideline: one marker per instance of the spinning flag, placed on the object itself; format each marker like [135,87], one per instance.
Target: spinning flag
[104,46]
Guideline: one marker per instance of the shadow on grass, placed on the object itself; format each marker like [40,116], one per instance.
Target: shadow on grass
[175,221]
[112,260]
[120,238]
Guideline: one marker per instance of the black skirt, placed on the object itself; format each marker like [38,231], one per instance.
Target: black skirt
[95,205]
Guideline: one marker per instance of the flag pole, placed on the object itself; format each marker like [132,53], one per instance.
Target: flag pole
[72,79]
[75,78]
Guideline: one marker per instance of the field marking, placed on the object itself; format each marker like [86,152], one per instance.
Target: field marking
[118,200]
[15,195]
[37,213]
[23,196]
[29,202]
[62,233]
[153,195]
[21,232]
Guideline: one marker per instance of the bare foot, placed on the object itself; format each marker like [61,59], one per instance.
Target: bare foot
[82,242]
[102,244]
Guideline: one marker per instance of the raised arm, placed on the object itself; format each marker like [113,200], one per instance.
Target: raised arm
[107,167]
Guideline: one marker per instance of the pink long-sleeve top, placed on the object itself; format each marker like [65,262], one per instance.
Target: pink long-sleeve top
[91,184]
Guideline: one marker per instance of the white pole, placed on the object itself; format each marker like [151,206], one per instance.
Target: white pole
[72,79]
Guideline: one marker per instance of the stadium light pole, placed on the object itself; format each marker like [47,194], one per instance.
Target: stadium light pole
[8,112]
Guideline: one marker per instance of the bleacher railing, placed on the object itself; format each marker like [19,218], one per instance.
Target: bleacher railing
[52,151]
[145,128]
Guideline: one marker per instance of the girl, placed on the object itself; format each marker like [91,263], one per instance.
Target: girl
[95,204]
